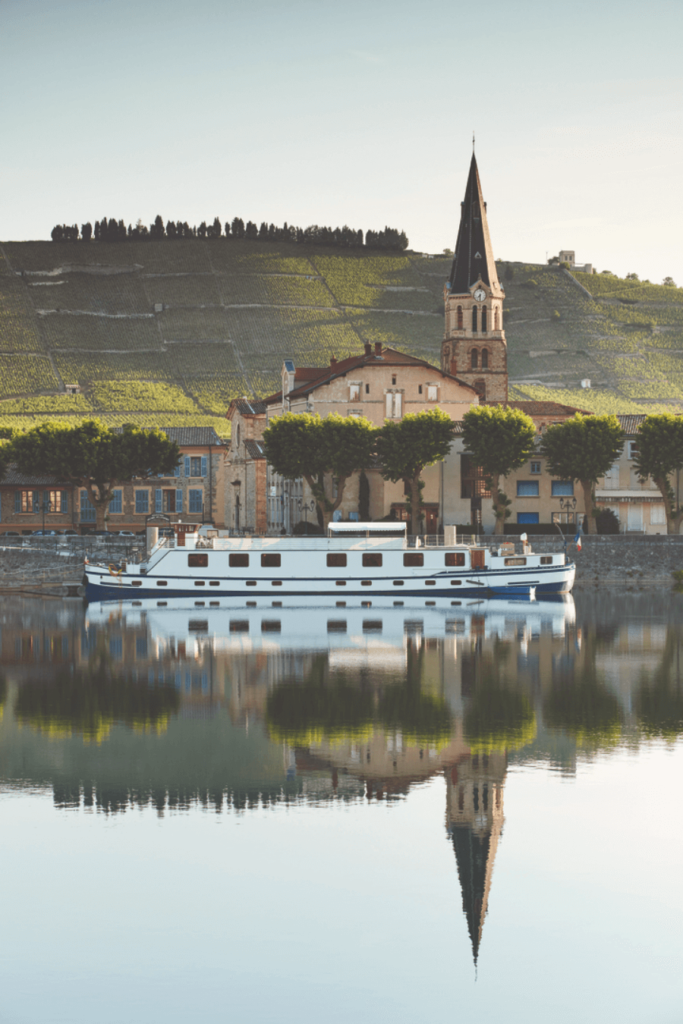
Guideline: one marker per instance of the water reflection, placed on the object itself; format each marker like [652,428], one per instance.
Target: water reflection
[169,707]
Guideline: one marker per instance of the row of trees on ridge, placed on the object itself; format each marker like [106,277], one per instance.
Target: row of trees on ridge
[111,230]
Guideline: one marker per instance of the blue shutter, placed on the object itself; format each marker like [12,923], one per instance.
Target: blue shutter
[36,501]
[179,499]
[17,501]
[187,466]
[65,501]
[116,503]
[46,501]
[158,500]
[204,465]
[176,471]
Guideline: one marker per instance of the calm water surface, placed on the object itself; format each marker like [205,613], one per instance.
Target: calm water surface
[455,813]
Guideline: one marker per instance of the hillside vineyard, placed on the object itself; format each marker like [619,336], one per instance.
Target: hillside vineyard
[171,333]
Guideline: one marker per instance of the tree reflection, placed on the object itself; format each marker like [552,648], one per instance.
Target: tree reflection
[498,718]
[3,695]
[89,702]
[659,700]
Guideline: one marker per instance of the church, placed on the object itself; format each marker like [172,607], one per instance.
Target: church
[384,383]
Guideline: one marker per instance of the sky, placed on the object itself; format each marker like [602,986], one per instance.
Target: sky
[361,112]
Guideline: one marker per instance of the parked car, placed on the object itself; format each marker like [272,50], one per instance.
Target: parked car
[45,533]
[11,533]
[71,533]
[127,533]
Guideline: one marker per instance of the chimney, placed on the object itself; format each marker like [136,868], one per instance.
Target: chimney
[333,360]
[368,348]
[378,349]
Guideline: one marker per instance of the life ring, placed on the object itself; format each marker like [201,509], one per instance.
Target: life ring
[113,571]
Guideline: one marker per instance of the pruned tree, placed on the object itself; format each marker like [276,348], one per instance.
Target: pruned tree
[499,441]
[325,452]
[407,446]
[92,456]
[659,455]
[583,448]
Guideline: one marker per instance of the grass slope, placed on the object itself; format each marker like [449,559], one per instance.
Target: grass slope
[169,332]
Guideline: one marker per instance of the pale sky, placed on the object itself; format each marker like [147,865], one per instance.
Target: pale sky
[357,112]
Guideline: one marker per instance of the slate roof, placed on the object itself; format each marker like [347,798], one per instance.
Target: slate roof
[473,254]
[14,478]
[249,407]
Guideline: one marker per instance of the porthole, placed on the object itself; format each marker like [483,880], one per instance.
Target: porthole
[251,583]
[199,604]
[456,583]
[366,583]
[399,583]
[214,583]
[215,604]
[199,583]
[277,604]
[162,604]
[276,583]
[162,583]
[340,583]
[430,583]
[137,583]
[251,604]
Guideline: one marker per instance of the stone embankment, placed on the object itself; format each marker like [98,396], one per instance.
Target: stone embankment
[610,559]
[54,565]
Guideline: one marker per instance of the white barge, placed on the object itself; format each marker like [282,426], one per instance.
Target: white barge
[366,561]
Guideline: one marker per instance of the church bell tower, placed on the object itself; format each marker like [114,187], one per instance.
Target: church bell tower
[474,347]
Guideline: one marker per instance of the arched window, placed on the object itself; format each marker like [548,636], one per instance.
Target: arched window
[483,319]
[459,318]
[238,435]
[474,356]
[474,319]
[484,359]
[495,319]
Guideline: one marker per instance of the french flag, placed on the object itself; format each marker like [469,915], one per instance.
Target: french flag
[577,539]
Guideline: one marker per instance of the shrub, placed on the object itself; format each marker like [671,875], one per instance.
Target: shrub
[606,521]
[304,529]
[555,316]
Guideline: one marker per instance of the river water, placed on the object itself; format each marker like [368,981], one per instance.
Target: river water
[461,812]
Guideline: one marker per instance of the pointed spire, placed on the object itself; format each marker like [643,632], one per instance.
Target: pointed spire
[472,855]
[473,259]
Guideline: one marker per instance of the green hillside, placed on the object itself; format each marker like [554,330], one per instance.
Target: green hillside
[168,332]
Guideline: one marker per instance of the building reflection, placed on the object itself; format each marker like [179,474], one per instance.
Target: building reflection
[168,708]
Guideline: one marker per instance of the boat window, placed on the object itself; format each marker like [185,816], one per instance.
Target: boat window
[199,604]
[341,583]
[137,583]
[546,559]
[337,560]
[399,583]
[198,625]
[456,583]
[238,561]
[271,626]
[454,558]
[336,625]
[276,583]
[251,583]
[372,625]
[414,558]
[372,559]
[198,561]
[199,583]
[430,583]
[162,604]
[239,626]
[162,583]
[271,561]
[515,561]
[214,583]
[366,583]
[215,604]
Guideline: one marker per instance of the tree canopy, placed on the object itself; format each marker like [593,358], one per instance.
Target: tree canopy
[322,451]
[583,448]
[499,441]
[407,446]
[659,454]
[93,456]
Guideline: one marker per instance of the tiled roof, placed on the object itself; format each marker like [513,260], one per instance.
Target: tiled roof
[249,407]
[547,409]
[189,437]
[630,424]
[254,449]
[14,478]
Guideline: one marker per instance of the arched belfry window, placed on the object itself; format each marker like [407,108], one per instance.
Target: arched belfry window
[483,319]
[495,319]
[474,319]
[484,359]
[474,356]
[459,318]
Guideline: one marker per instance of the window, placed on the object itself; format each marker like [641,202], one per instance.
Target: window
[527,488]
[430,583]
[562,517]
[472,479]
[419,389]
[474,319]
[483,319]
[546,559]
[515,561]
[612,478]
[657,515]
[366,583]
[198,561]
[414,559]
[367,389]
[28,501]
[459,314]
[196,465]
[495,319]
[632,449]
[562,488]
[393,378]
[116,503]
[394,405]
[432,392]
[195,501]
[337,560]
[484,357]
[527,518]
[535,467]
[474,358]
[141,502]
[354,392]
[169,501]
[454,558]
[238,561]
[372,559]
[271,561]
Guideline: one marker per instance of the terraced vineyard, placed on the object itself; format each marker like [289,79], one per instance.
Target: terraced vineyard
[161,332]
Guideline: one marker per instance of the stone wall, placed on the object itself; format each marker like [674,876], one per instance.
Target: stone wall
[614,558]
